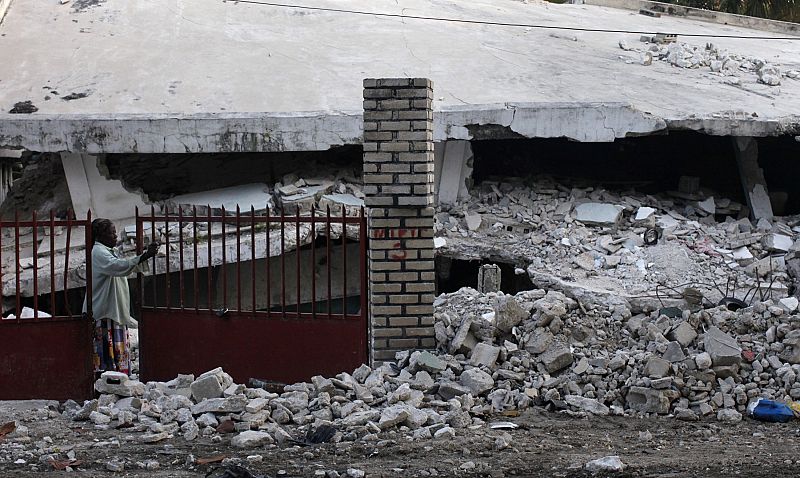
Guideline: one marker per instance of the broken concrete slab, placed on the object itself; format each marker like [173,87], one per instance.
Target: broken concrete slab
[598,214]
[721,347]
[647,400]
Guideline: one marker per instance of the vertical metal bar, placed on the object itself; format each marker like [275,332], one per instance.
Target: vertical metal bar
[328,256]
[283,263]
[313,269]
[209,269]
[344,262]
[139,251]
[297,254]
[17,268]
[267,265]
[154,280]
[362,253]
[238,259]
[253,256]
[168,297]
[70,215]
[35,250]
[89,240]
[180,255]
[224,262]
[196,273]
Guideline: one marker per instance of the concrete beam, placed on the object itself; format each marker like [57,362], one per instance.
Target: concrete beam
[453,168]
[752,176]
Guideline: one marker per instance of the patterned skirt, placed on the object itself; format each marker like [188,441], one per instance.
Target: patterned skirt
[112,348]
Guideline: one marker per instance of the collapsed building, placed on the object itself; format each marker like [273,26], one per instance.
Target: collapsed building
[645,178]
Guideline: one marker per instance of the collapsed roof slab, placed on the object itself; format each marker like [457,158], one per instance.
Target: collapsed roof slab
[210,76]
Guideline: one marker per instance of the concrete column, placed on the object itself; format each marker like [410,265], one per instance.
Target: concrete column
[453,169]
[753,182]
[399,189]
[90,188]
[489,278]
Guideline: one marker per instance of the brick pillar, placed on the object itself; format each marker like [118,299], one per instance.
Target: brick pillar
[398,184]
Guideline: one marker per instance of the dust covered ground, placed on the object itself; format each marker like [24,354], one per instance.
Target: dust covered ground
[545,444]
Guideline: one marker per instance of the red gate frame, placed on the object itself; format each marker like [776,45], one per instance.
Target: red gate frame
[283,346]
[47,357]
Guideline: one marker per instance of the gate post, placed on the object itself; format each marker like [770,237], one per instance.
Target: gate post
[398,185]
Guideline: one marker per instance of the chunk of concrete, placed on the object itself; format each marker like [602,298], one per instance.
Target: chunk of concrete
[429,362]
[598,214]
[252,439]
[605,464]
[657,367]
[392,416]
[647,400]
[118,383]
[449,390]
[206,387]
[484,354]
[234,404]
[556,358]
[508,313]
[777,242]
[587,404]
[473,221]
[723,349]
[674,353]
[684,334]
[477,381]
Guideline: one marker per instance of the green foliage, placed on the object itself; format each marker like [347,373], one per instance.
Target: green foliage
[786,10]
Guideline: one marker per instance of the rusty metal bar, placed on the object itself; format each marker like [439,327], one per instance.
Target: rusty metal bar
[139,250]
[362,241]
[344,262]
[267,265]
[35,251]
[168,297]
[196,273]
[208,273]
[283,262]
[328,256]
[88,253]
[253,256]
[153,239]
[89,245]
[180,256]
[313,262]
[238,259]
[297,254]
[17,268]
[224,263]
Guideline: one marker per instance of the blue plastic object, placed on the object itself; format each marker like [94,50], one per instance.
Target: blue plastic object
[771,411]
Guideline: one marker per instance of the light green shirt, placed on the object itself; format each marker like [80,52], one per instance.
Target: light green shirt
[110,294]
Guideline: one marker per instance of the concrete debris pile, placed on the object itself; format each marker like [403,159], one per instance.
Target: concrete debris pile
[729,66]
[542,347]
[593,239]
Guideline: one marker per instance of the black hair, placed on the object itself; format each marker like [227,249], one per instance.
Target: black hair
[99,227]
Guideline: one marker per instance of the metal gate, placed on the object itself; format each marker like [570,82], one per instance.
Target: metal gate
[273,297]
[45,342]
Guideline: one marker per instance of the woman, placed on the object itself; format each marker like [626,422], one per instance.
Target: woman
[111,298]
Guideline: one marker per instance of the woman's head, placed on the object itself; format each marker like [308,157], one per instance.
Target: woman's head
[104,232]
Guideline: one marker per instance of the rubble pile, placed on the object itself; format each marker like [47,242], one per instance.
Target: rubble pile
[593,239]
[546,348]
[729,66]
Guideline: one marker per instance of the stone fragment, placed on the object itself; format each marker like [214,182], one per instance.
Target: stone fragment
[428,362]
[674,353]
[477,381]
[587,404]
[206,387]
[392,416]
[449,390]
[508,313]
[539,341]
[598,214]
[723,349]
[729,415]
[703,361]
[484,354]
[605,464]
[444,433]
[252,439]
[473,221]
[647,400]
[684,334]
[233,404]
[118,383]
[361,418]
[208,420]
[555,358]
[256,405]
[777,242]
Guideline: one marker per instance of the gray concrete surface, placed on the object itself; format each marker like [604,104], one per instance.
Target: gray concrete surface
[206,76]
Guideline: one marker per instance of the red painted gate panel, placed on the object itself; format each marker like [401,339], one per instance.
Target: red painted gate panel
[44,356]
[264,308]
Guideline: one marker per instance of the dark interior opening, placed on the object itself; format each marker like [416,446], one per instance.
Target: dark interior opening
[779,157]
[649,164]
[453,274]
[193,172]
